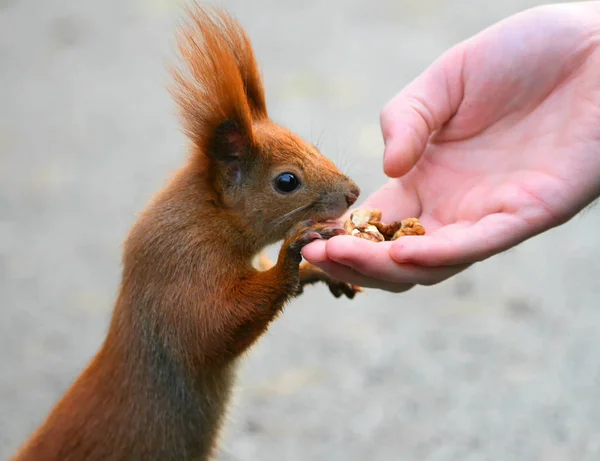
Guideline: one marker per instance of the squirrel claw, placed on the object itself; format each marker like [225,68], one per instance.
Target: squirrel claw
[339,231]
[314,236]
[338,289]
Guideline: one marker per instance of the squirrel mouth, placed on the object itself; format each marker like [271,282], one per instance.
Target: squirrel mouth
[330,219]
[323,211]
[328,216]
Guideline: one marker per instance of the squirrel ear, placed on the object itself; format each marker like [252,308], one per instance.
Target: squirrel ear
[229,142]
[228,149]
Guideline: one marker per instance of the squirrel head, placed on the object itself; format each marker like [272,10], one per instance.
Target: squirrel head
[263,175]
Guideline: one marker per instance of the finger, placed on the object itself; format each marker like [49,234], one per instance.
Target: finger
[464,243]
[373,259]
[315,252]
[423,107]
[348,275]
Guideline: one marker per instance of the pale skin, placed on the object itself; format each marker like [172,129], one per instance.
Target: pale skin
[496,142]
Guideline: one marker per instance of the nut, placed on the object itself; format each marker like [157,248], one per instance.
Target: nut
[367,224]
[410,226]
[360,217]
[368,232]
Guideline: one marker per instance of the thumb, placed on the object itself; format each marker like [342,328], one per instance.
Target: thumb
[418,111]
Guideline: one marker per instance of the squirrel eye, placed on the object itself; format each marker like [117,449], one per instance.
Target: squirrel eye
[286,182]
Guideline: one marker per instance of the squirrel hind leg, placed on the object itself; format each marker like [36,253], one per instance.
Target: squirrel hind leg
[310,274]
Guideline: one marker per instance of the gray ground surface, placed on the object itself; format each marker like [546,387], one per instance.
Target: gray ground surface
[501,363]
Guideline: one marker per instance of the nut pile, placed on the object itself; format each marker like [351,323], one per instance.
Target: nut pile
[367,224]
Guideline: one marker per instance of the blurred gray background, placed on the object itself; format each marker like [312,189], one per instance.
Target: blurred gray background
[501,363]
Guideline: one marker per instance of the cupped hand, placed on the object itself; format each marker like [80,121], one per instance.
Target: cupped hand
[498,141]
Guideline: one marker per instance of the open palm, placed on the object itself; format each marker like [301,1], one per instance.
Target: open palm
[497,141]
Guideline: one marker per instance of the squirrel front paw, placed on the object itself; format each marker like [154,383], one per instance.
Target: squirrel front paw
[305,233]
[306,273]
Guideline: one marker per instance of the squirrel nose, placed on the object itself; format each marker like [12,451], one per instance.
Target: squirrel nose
[352,196]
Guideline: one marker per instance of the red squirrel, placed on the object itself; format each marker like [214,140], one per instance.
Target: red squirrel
[191,302]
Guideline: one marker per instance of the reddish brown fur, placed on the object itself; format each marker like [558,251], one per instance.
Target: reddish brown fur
[190,302]
[219,63]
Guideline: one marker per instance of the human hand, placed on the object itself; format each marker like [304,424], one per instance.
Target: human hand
[498,141]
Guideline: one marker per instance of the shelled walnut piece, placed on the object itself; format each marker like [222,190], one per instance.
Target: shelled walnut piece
[367,224]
